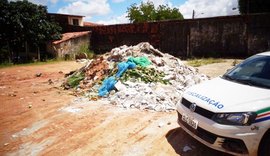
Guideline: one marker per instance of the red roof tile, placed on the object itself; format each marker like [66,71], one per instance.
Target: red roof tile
[70,35]
[90,24]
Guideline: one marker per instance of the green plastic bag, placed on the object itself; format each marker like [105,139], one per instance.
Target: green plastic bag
[141,61]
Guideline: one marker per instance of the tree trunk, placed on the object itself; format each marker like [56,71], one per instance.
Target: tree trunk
[26,50]
[10,53]
[38,53]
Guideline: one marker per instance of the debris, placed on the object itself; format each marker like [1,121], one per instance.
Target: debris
[234,63]
[187,148]
[50,81]
[38,74]
[119,86]
[12,94]
[142,61]
[74,80]
[82,61]
[72,109]
[29,106]
[161,124]
[137,76]
[107,85]
[70,73]
[81,56]
[6,144]
[14,136]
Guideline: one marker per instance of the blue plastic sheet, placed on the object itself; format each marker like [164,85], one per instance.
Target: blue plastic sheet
[123,66]
[107,85]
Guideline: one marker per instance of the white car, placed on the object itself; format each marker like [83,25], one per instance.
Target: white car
[231,113]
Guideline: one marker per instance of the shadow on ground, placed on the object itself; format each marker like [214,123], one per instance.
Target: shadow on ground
[185,145]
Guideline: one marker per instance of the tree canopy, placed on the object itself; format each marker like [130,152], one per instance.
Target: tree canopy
[23,22]
[253,6]
[146,12]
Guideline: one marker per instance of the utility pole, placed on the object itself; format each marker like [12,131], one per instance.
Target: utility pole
[193,14]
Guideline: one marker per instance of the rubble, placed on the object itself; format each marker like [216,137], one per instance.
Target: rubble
[38,74]
[155,85]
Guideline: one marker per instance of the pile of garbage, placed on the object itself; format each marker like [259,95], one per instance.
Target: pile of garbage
[137,76]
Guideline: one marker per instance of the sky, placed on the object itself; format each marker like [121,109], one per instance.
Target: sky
[114,11]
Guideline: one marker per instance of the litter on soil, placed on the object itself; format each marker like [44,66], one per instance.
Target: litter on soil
[137,76]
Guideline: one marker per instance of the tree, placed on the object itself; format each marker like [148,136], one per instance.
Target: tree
[146,12]
[24,23]
[164,12]
[253,6]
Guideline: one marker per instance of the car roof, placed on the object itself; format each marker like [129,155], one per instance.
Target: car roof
[267,53]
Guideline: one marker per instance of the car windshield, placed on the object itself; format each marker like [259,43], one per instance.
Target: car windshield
[254,71]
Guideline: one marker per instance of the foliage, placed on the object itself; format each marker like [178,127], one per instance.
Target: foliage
[144,74]
[74,80]
[85,49]
[25,23]
[147,12]
[203,61]
[253,6]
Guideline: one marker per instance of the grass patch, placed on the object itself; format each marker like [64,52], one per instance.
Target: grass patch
[203,61]
[5,65]
[51,61]
[86,49]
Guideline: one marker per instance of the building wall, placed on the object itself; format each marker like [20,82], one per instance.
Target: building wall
[68,49]
[65,20]
[228,36]
[80,20]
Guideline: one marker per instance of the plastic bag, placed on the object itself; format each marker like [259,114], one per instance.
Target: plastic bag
[141,61]
[107,85]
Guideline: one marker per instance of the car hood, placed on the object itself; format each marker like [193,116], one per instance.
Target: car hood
[220,95]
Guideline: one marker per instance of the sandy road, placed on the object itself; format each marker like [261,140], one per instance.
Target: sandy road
[39,118]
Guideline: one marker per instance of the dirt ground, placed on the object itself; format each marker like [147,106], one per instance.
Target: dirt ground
[38,117]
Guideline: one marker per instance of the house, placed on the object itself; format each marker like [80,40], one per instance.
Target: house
[66,19]
[71,44]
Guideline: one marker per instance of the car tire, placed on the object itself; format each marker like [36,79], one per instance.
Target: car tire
[265,145]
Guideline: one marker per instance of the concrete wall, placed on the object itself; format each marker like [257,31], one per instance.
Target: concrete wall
[218,37]
[228,36]
[69,48]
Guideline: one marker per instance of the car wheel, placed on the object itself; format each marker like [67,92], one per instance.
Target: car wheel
[265,145]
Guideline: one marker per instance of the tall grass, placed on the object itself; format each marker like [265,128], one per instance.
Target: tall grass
[203,61]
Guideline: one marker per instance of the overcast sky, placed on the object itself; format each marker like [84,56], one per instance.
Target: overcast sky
[114,11]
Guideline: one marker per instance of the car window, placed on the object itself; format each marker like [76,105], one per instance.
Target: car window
[253,71]
[250,69]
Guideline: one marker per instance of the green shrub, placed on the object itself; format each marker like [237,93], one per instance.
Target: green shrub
[84,48]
